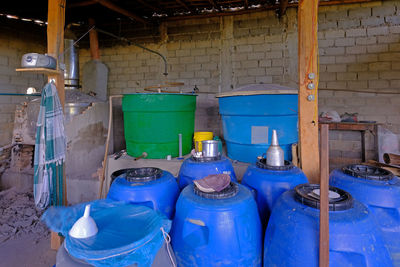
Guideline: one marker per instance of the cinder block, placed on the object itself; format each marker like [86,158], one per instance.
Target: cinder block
[327,76]
[326,43]
[336,68]
[372,21]
[209,66]
[395,65]
[201,59]
[265,63]
[389,75]
[357,67]
[258,56]
[357,84]
[327,25]
[327,60]
[344,41]
[378,84]
[198,52]
[394,29]
[346,76]
[249,64]
[346,24]
[345,59]
[273,54]
[202,74]
[193,67]
[382,11]
[277,63]
[256,40]
[333,51]
[378,48]
[356,32]
[256,72]
[394,47]
[356,50]
[367,75]
[363,12]
[333,34]
[246,80]
[393,20]
[366,40]
[335,15]
[274,71]
[378,66]
[391,38]
[393,56]
[184,60]
[183,52]
[367,58]
[264,79]
[381,30]
[244,48]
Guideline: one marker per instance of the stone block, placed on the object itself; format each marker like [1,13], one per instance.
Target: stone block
[378,48]
[344,42]
[336,68]
[347,24]
[244,48]
[391,38]
[381,30]
[258,56]
[250,64]
[346,76]
[326,43]
[333,34]
[372,21]
[394,47]
[378,66]
[358,32]
[327,76]
[356,50]
[389,75]
[363,12]
[367,58]
[256,72]
[274,71]
[333,51]
[357,84]
[357,67]
[382,11]
[367,75]
[393,56]
[265,63]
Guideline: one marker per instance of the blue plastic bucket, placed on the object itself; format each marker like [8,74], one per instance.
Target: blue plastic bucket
[248,121]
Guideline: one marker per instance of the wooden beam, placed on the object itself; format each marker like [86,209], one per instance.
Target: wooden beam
[184,5]
[55,48]
[81,4]
[283,4]
[118,9]
[324,198]
[214,4]
[156,9]
[308,98]
[246,4]
[263,8]
[94,40]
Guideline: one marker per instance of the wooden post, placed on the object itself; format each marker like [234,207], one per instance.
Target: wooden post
[308,97]
[94,40]
[324,199]
[55,48]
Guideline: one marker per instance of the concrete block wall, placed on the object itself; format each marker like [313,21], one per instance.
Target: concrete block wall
[358,44]
[12,46]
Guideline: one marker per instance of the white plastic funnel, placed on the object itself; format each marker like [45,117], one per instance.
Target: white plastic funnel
[85,226]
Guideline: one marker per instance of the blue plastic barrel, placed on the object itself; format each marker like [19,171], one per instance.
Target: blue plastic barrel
[379,189]
[269,182]
[193,169]
[292,236]
[248,119]
[149,187]
[217,229]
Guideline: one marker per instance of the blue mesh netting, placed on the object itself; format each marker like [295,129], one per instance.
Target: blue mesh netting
[128,234]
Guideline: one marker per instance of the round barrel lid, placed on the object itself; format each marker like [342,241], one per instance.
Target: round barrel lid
[309,195]
[145,174]
[231,190]
[262,164]
[368,172]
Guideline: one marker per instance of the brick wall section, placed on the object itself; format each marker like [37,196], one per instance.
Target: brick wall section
[12,47]
[359,50]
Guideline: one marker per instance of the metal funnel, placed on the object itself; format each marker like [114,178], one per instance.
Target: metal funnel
[275,155]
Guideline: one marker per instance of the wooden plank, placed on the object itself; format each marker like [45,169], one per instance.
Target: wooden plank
[351,126]
[308,109]
[40,70]
[324,204]
[118,9]
[94,40]
[55,240]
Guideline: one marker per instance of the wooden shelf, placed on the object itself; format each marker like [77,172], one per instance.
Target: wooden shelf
[40,70]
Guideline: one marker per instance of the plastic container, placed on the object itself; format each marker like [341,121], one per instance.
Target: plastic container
[269,182]
[198,137]
[193,169]
[248,118]
[217,229]
[162,259]
[150,187]
[292,239]
[153,121]
[379,189]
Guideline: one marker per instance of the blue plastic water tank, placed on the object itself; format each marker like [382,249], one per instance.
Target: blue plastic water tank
[151,187]
[217,229]
[248,118]
[379,189]
[269,182]
[193,169]
[292,236]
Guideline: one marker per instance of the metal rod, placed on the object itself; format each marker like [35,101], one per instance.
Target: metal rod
[14,94]
[180,145]
[324,192]
[138,45]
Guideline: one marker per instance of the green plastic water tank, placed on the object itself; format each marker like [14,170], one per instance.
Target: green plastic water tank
[152,122]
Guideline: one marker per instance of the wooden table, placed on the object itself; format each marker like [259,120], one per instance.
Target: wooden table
[360,127]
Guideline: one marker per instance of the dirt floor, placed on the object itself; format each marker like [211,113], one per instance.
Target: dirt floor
[24,239]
